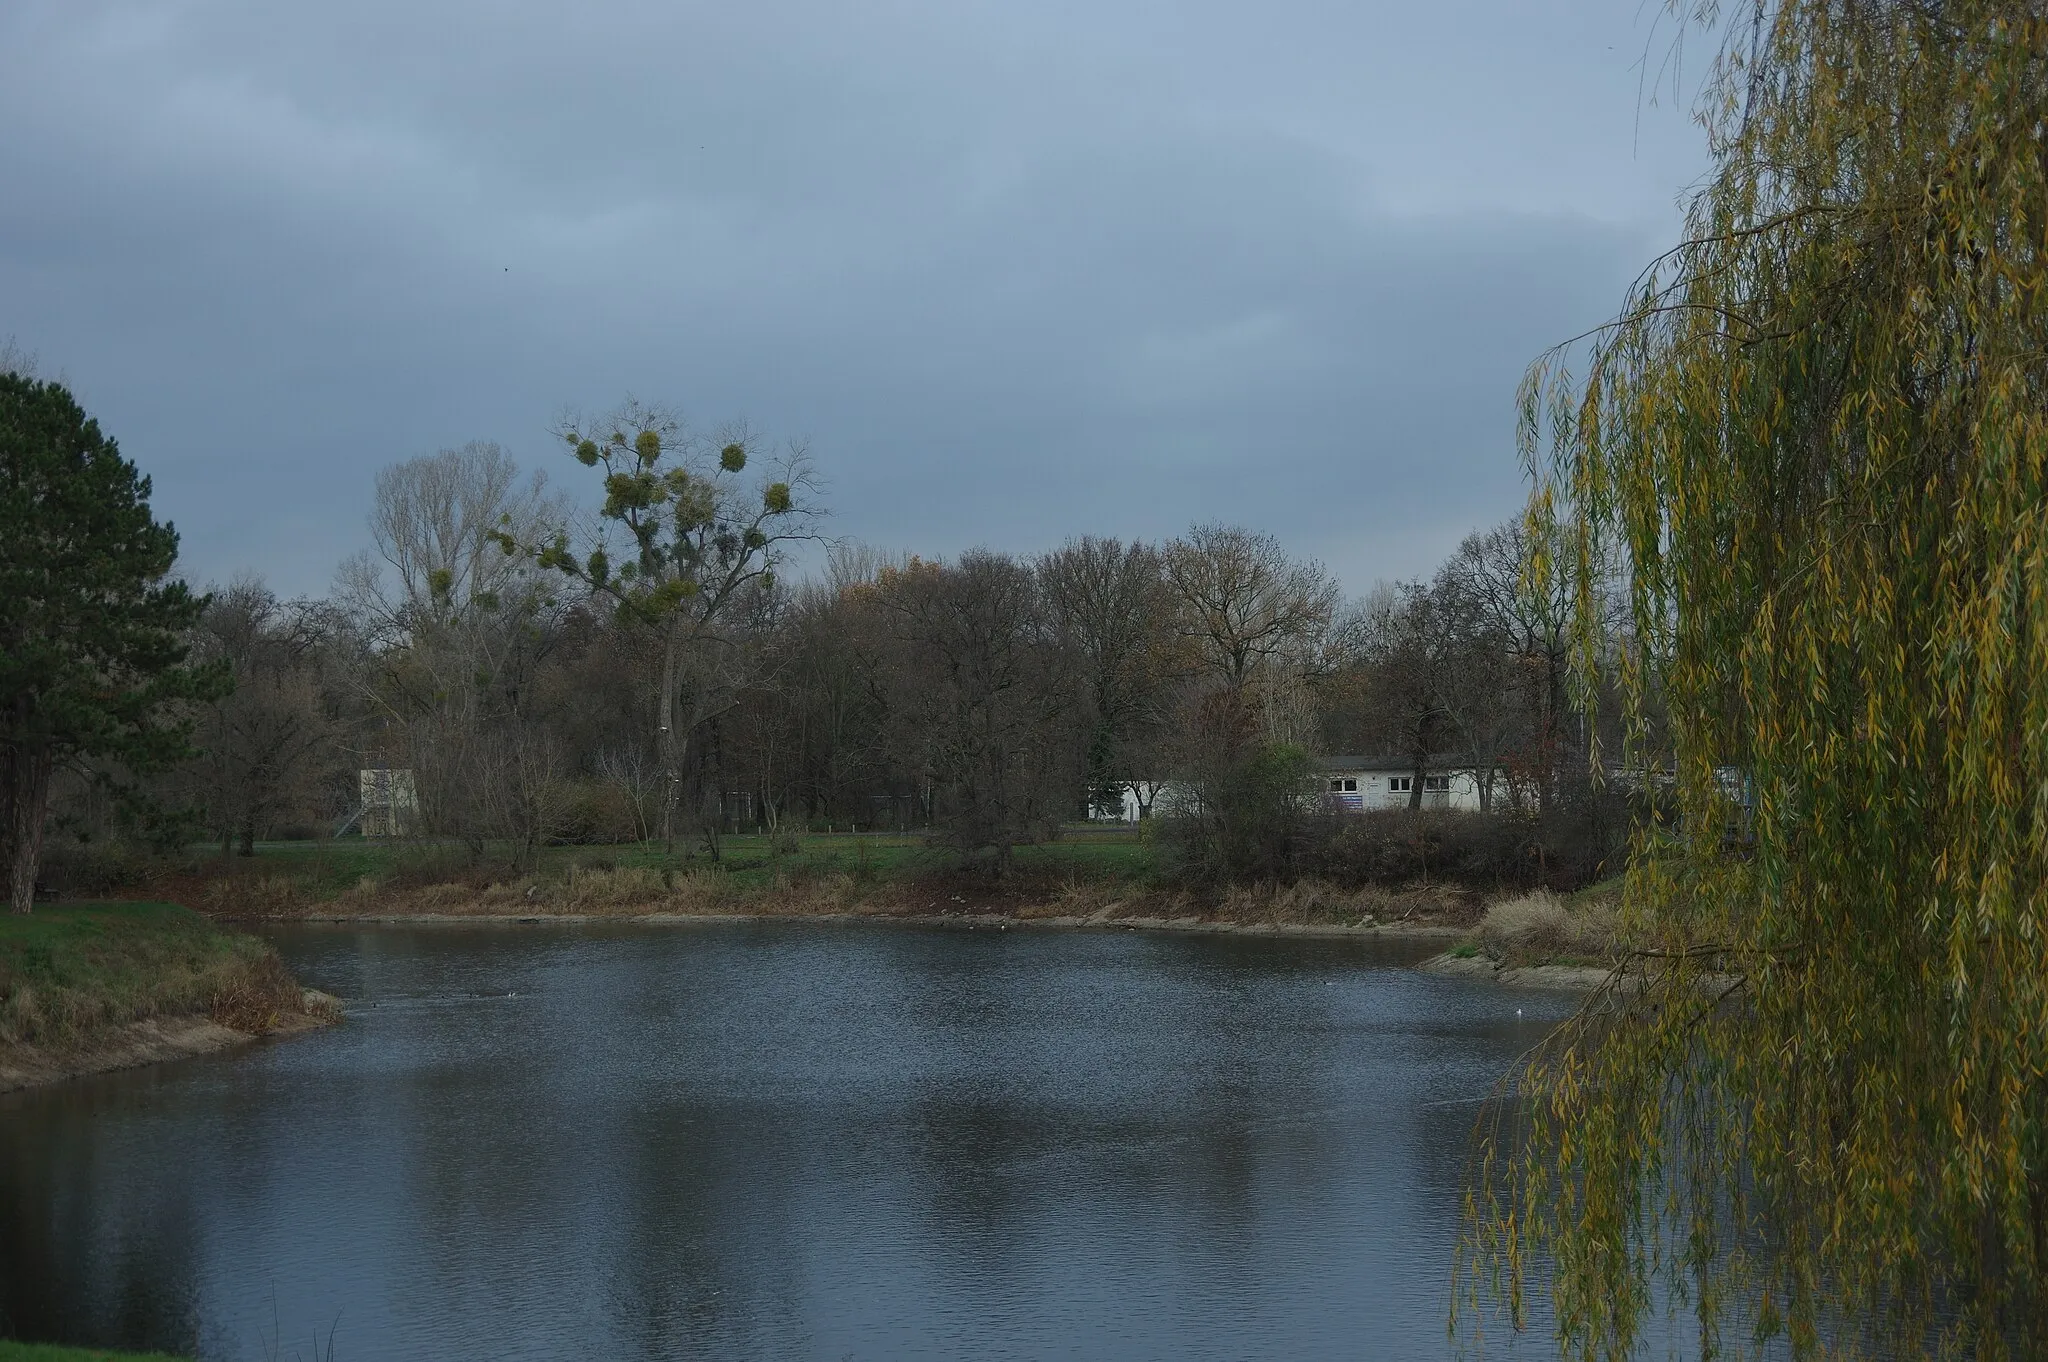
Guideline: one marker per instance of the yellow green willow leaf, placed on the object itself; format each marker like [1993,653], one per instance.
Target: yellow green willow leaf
[1813,1107]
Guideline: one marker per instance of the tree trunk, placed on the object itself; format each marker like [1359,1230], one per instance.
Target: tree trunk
[27,780]
[671,754]
[248,837]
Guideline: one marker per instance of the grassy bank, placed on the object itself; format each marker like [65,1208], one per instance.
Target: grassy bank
[11,1351]
[1099,879]
[332,870]
[1092,874]
[71,975]
[1569,940]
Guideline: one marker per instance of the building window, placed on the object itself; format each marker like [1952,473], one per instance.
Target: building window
[1400,784]
[1436,784]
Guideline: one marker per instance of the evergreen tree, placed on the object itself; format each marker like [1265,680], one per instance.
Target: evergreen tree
[92,635]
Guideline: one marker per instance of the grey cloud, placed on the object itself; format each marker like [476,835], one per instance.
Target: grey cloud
[1016,271]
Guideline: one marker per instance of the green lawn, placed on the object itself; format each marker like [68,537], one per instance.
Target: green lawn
[70,970]
[322,870]
[11,1351]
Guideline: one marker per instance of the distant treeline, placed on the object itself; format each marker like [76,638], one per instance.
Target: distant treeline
[649,675]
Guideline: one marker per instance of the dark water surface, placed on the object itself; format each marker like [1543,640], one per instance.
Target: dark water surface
[780,1141]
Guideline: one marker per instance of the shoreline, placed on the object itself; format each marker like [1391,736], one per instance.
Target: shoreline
[161,1039]
[154,1040]
[1565,978]
[1553,977]
[1398,930]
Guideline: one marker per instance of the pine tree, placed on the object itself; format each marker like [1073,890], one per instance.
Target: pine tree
[92,650]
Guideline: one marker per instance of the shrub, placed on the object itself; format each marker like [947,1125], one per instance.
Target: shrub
[91,869]
[1572,845]
[257,999]
[1251,819]
[594,812]
[1542,924]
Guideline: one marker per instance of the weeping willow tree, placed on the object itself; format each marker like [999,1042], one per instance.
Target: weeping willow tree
[1811,1111]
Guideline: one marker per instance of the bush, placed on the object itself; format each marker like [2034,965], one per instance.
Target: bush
[1253,819]
[1574,844]
[81,870]
[594,812]
[1540,925]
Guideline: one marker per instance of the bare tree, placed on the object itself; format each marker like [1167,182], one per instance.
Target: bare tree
[457,627]
[434,560]
[837,649]
[1259,621]
[1517,697]
[1114,611]
[1410,656]
[699,548]
[636,774]
[263,745]
[528,791]
[15,360]
[985,701]
[1244,602]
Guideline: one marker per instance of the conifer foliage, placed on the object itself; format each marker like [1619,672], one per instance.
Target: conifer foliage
[92,631]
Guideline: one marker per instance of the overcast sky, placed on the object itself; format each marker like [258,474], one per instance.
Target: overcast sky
[1016,271]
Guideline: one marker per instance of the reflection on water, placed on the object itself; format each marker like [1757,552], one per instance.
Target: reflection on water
[780,1141]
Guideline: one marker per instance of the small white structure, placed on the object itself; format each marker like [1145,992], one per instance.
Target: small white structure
[1355,784]
[1155,799]
[1347,785]
[391,801]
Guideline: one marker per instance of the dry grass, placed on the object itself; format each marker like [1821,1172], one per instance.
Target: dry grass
[262,998]
[1304,901]
[69,974]
[1075,898]
[598,891]
[603,891]
[254,896]
[800,890]
[1542,926]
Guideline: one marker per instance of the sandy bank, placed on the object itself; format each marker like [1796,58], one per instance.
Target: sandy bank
[1582,978]
[149,1042]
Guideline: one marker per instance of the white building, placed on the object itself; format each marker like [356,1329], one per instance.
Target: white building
[1155,799]
[1360,783]
[1352,784]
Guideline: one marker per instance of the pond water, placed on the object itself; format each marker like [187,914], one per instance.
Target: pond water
[781,1140]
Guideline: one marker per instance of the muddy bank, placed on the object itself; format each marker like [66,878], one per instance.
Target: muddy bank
[1411,928]
[1582,978]
[152,1041]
